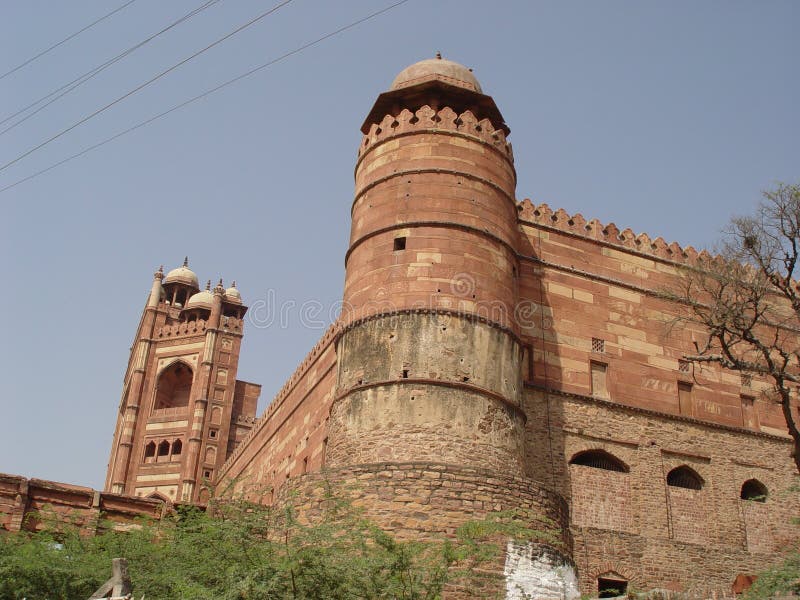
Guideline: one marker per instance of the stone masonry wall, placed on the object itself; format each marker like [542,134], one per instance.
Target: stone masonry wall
[29,504]
[662,536]
[432,499]
[427,386]
[605,372]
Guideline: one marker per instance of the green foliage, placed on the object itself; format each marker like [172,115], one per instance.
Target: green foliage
[782,579]
[237,550]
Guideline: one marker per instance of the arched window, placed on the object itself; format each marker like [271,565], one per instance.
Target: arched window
[174,386]
[177,447]
[684,477]
[599,459]
[754,490]
[150,450]
[163,448]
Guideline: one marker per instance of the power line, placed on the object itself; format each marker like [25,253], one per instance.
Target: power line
[145,84]
[66,39]
[205,94]
[80,80]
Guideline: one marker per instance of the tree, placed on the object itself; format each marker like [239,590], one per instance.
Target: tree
[747,300]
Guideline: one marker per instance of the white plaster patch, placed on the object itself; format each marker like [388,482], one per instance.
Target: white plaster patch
[532,573]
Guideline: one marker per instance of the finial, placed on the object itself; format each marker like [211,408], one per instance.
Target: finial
[186,261]
[219,290]
[160,273]
[220,282]
[439,55]
[208,285]
[233,285]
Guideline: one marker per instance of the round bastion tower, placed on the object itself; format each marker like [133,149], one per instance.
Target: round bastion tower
[427,423]
[429,358]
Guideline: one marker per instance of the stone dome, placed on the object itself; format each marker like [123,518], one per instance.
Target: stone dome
[182,274]
[202,299]
[232,295]
[437,69]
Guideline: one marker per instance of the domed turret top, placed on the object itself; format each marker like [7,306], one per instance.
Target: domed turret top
[435,82]
[182,274]
[204,299]
[437,69]
[232,294]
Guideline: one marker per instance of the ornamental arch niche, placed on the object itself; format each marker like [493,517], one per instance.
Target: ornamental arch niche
[686,498]
[174,386]
[159,496]
[756,520]
[600,491]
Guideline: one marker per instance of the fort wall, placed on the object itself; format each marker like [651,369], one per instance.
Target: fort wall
[33,504]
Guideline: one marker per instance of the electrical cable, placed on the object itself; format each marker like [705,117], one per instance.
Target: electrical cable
[145,84]
[66,39]
[80,80]
[204,94]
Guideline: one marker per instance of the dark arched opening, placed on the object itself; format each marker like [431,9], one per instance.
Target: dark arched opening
[163,448]
[150,450]
[174,386]
[599,459]
[684,477]
[754,490]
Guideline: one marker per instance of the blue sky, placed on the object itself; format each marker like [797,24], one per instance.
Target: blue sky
[665,117]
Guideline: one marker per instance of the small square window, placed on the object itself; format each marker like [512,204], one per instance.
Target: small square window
[598,345]
[399,243]
[212,433]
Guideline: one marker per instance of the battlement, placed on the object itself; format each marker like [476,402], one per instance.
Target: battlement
[445,119]
[232,324]
[186,328]
[560,220]
[181,329]
[327,338]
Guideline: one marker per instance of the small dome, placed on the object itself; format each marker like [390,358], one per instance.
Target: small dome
[202,299]
[182,274]
[437,68]
[232,295]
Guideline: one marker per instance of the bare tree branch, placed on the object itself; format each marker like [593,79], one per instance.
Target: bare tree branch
[747,300]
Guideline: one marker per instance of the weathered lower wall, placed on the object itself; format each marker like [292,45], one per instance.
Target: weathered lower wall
[30,504]
[426,386]
[431,501]
[649,563]
[636,525]
[415,420]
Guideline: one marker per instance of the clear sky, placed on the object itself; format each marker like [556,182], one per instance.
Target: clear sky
[665,117]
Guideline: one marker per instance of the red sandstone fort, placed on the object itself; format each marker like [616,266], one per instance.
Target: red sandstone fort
[491,355]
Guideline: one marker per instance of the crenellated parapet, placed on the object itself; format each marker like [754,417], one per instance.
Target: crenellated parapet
[232,324]
[426,119]
[188,328]
[183,328]
[560,220]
